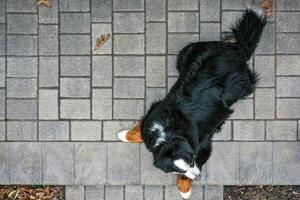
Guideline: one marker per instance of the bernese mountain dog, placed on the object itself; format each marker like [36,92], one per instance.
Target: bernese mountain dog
[212,77]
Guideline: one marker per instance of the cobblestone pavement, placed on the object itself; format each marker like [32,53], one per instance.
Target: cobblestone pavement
[62,103]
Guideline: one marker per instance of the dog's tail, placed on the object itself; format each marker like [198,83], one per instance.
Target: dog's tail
[247,31]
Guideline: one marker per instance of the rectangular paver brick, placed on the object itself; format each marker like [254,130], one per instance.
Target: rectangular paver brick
[90,163]
[128,5]
[288,43]
[75,44]
[48,104]
[22,45]
[2,104]
[155,71]
[183,5]
[236,4]
[21,109]
[102,71]
[213,192]
[281,130]
[97,31]
[75,66]
[48,40]
[248,130]
[53,130]
[154,192]
[229,18]
[287,86]
[25,163]
[155,10]
[4,163]
[2,11]
[114,192]
[48,71]
[183,22]
[288,65]
[153,95]
[129,44]
[123,109]
[2,71]
[74,192]
[287,22]
[129,88]
[134,192]
[265,103]
[75,87]
[155,38]
[22,87]
[75,23]
[24,131]
[225,133]
[129,66]
[243,109]
[171,65]
[2,39]
[22,66]
[102,104]
[94,193]
[62,154]
[210,10]
[47,15]
[288,108]
[111,128]
[288,5]
[129,22]
[177,41]
[209,31]
[265,67]
[2,131]
[123,171]
[22,24]
[75,108]
[25,6]
[74,5]
[86,130]
[101,10]
[267,41]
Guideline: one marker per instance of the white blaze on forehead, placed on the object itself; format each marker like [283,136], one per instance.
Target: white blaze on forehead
[160,129]
[181,164]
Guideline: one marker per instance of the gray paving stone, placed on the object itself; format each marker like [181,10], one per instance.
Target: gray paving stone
[183,22]
[48,104]
[288,65]
[177,41]
[2,104]
[2,39]
[25,163]
[2,72]
[171,62]
[243,109]
[75,109]
[288,43]
[75,44]
[229,19]
[288,5]
[171,82]
[155,71]
[129,44]
[53,130]
[209,31]
[129,88]
[128,5]
[22,66]
[153,95]
[172,193]
[75,22]
[22,45]
[111,128]
[4,163]
[154,192]
[281,130]
[2,132]
[248,130]
[97,31]
[128,172]
[22,24]
[155,10]
[49,16]
[48,71]
[129,22]
[210,10]
[197,192]
[21,6]
[101,10]
[2,11]
[102,104]
[287,22]
[74,5]
[102,71]
[86,130]
[75,65]
[151,175]
[265,103]
[134,192]
[286,163]
[75,87]
[213,192]
[48,40]
[129,66]
[287,86]
[22,87]
[182,5]
[123,109]
[21,109]
[288,108]
[255,163]
[225,133]
[267,41]
[265,67]
[155,38]
[24,131]
[58,163]
[235,4]
[74,192]
[94,193]
[114,192]
[90,163]
[222,167]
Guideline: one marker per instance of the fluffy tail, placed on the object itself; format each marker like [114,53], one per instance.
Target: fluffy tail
[247,31]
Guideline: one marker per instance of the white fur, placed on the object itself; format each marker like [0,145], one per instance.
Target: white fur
[193,172]
[186,195]
[122,136]
[162,135]
[181,164]
[259,11]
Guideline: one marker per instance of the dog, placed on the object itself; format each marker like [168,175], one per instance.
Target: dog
[212,77]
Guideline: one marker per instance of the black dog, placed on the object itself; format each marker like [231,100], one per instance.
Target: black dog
[212,76]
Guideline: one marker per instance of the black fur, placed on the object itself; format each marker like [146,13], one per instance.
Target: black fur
[212,77]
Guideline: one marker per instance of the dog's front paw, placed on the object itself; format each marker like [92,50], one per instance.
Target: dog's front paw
[193,172]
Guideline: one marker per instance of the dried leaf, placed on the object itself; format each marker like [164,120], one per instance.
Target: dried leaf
[267,5]
[44,2]
[101,40]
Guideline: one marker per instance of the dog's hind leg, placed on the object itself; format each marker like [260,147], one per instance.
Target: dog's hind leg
[134,135]
[184,186]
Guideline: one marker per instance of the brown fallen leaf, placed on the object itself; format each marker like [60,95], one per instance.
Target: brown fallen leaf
[101,40]
[267,5]
[44,2]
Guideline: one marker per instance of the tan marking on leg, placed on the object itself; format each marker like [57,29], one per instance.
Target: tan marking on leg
[135,134]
